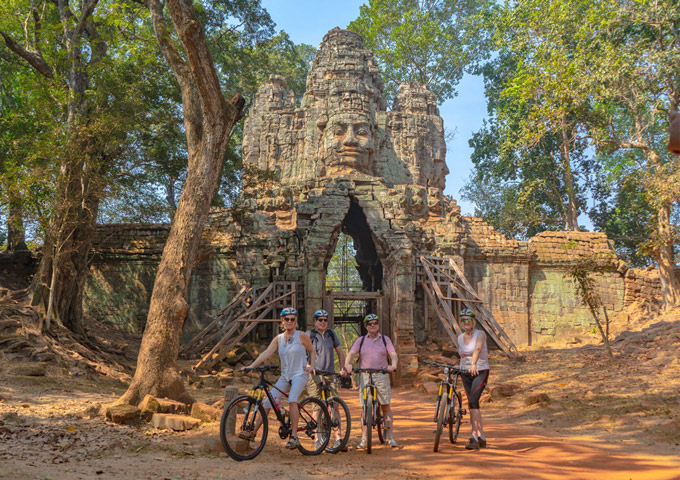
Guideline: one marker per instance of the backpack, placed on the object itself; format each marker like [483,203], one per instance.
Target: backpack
[313,333]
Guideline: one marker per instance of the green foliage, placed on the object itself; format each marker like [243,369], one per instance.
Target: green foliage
[427,41]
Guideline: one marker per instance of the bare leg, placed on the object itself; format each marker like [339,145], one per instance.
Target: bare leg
[294,418]
[476,421]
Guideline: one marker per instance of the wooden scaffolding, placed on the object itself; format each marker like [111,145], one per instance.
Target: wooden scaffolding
[249,308]
[446,289]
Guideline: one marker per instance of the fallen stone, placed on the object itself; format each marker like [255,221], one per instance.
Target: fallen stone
[28,370]
[540,398]
[165,405]
[431,388]
[123,414]
[449,351]
[205,412]
[92,411]
[214,445]
[177,423]
[3,398]
[148,406]
[503,390]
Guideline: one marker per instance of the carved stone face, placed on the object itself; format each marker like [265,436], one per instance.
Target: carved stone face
[349,144]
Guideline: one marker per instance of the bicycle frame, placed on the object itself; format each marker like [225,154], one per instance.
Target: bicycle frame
[263,388]
[451,390]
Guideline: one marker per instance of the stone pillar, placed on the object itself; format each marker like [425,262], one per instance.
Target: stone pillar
[400,283]
[315,286]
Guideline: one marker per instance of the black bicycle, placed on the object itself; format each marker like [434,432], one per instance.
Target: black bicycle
[244,426]
[341,421]
[449,409]
[372,413]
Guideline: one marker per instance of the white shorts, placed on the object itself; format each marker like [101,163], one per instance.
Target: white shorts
[293,387]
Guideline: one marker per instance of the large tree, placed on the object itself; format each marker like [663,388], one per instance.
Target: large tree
[208,121]
[427,41]
[68,44]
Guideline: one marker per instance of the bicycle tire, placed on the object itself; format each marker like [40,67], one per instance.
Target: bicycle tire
[441,415]
[369,421]
[239,414]
[340,419]
[380,421]
[455,417]
[314,423]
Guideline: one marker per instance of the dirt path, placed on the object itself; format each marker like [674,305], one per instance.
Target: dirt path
[515,451]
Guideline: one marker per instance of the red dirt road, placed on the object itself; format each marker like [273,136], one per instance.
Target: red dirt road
[515,451]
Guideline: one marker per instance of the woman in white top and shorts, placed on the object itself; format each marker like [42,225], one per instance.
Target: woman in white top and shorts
[293,346]
[474,361]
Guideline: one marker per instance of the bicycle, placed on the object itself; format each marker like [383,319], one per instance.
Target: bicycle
[338,410]
[449,413]
[244,425]
[372,413]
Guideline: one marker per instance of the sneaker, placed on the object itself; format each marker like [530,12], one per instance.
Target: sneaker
[293,443]
[473,444]
[482,442]
[393,443]
[336,446]
[249,436]
[362,444]
[318,443]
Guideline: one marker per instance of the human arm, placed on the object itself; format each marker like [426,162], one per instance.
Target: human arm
[394,360]
[269,351]
[348,361]
[341,357]
[479,344]
[307,343]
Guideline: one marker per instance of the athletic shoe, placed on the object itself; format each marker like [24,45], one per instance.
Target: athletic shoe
[293,443]
[473,444]
[393,443]
[249,436]
[482,442]
[362,444]
[336,446]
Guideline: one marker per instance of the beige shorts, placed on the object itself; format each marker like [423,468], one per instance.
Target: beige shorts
[382,384]
[314,386]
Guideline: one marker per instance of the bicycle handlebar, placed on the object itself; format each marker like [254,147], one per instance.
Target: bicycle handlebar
[371,370]
[262,368]
[443,365]
[327,374]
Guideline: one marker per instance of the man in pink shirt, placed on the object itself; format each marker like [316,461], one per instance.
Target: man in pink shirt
[374,350]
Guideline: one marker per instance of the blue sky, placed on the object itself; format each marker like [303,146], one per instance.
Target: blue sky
[307,21]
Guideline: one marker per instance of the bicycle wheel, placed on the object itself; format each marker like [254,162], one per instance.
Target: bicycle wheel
[455,417]
[314,427]
[441,416]
[380,422]
[340,422]
[237,428]
[368,418]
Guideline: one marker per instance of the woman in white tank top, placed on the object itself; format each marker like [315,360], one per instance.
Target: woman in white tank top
[474,360]
[292,346]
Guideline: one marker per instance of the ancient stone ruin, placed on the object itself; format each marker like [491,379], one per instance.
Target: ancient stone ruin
[342,162]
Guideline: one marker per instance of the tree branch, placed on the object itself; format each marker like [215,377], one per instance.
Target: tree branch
[35,60]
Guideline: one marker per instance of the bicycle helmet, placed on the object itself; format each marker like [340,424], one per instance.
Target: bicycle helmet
[467,313]
[288,311]
[320,313]
[369,317]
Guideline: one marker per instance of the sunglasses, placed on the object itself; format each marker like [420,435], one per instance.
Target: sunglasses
[466,320]
[321,319]
[290,319]
[370,324]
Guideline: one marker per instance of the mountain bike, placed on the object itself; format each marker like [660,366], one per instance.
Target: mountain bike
[372,413]
[448,410]
[341,421]
[244,425]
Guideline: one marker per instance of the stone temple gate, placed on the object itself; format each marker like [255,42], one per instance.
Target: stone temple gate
[341,162]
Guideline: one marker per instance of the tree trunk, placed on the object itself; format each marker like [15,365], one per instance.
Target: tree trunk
[571,208]
[663,253]
[69,241]
[16,235]
[209,119]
